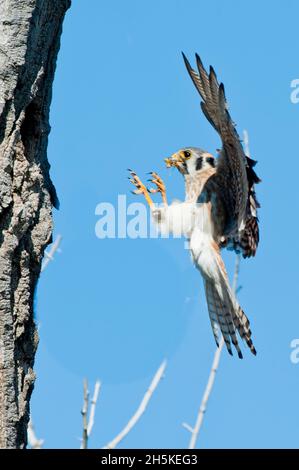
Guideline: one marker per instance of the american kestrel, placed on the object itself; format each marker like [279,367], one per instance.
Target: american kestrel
[220,208]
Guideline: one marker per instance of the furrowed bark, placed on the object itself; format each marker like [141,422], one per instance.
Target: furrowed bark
[29,42]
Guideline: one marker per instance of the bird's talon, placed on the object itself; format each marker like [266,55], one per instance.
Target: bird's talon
[140,188]
[157,180]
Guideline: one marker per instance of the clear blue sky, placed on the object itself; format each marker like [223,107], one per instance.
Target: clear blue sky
[113,309]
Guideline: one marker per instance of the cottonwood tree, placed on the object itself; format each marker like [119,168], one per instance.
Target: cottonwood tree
[29,42]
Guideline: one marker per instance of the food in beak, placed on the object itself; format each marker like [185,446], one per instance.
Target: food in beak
[174,160]
[168,162]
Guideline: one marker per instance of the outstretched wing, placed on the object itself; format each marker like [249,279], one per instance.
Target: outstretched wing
[234,175]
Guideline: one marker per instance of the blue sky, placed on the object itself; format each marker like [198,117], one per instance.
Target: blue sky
[113,309]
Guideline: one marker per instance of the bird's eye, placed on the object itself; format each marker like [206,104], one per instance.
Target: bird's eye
[187,154]
[211,161]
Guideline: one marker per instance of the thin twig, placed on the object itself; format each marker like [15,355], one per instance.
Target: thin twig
[236,274]
[93,405]
[49,256]
[216,360]
[87,428]
[34,442]
[246,143]
[141,409]
[84,414]
[88,423]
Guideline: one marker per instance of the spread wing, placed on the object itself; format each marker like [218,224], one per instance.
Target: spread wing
[234,176]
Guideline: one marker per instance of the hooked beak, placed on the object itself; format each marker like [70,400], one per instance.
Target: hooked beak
[175,160]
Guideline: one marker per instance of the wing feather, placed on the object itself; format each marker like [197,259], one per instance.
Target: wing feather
[234,175]
[195,78]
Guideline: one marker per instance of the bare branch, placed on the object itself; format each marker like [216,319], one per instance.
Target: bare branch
[88,424]
[93,405]
[84,412]
[141,409]
[186,426]
[49,256]
[204,402]
[236,274]
[34,442]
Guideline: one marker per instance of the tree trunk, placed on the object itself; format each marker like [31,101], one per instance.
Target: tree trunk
[29,42]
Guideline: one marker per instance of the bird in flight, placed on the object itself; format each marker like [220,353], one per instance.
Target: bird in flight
[220,208]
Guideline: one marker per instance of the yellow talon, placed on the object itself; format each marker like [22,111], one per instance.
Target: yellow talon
[141,189]
[157,180]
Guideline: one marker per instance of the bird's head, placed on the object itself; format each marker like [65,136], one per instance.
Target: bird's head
[190,160]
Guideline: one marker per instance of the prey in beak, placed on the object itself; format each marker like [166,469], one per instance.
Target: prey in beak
[178,160]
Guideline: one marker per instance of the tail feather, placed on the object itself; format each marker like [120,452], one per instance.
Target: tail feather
[224,309]
[243,326]
[217,309]
[212,311]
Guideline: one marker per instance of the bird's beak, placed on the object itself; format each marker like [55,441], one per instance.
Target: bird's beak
[175,160]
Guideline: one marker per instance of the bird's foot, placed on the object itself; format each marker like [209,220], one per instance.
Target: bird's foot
[140,187]
[160,186]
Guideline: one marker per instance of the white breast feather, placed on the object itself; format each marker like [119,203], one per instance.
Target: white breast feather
[178,219]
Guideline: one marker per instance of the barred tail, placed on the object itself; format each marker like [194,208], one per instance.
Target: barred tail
[220,315]
[223,307]
[224,310]
[242,324]
[229,319]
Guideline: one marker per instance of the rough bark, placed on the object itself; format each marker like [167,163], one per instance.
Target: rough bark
[29,41]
